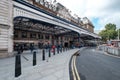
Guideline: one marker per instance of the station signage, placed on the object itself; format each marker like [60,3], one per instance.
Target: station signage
[46,4]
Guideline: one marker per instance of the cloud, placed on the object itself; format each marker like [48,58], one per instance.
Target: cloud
[107,11]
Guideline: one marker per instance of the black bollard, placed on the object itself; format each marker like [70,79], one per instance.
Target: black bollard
[49,53]
[43,55]
[53,51]
[58,50]
[17,65]
[34,58]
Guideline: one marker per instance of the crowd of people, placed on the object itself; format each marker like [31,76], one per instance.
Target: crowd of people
[20,47]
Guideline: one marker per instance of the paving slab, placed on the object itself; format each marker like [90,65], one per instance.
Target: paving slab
[54,68]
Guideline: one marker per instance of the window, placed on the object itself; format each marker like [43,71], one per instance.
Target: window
[24,34]
[15,34]
[32,35]
[40,36]
[47,37]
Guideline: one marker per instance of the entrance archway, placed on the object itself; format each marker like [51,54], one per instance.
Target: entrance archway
[29,31]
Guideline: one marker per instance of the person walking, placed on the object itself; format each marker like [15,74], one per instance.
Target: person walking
[20,48]
[53,49]
[31,47]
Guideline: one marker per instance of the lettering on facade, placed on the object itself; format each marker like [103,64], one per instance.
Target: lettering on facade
[47,4]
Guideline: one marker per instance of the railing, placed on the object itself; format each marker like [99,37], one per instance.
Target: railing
[110,49]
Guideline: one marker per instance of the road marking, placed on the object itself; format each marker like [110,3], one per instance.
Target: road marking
[106,53]
[111,55]
[74,78]
[74,69]
[78,77]
[25,58]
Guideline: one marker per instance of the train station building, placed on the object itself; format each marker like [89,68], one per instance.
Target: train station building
[40,22]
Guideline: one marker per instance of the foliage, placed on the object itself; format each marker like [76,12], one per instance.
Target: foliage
[109,32]
[110,26]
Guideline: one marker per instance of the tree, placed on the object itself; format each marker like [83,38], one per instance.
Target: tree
[109,32]
[110,26]
[103,34]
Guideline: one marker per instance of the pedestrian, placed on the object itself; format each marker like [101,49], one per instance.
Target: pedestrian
[53,48]
[20,48]
[31,47]
[58,47]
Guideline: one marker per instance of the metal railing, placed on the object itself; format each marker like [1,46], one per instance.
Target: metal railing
[110,49]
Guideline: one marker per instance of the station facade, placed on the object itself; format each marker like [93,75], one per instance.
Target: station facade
[6,28]
[27,31]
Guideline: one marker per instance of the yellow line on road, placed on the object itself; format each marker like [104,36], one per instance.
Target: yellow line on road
[74,69]
[78,77]
[72,66]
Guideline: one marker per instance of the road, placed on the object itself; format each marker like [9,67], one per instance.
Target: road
[94,65]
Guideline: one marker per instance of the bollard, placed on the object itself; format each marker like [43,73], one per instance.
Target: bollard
[34,58]
[49,53]
[53,51]
[58,50]
[17,65]
[43,55]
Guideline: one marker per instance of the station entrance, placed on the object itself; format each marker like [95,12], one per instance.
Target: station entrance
[33,32]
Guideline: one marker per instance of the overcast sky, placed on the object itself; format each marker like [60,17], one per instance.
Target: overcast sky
[100,12]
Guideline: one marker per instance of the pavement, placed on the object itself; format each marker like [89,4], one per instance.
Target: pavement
[54,68]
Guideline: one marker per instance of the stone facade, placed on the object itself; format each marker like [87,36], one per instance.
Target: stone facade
[63,12]
[6,28]
[87,24]
[8,39]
